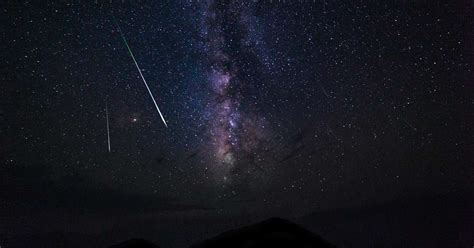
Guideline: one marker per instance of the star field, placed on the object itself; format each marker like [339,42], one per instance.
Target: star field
[272,106]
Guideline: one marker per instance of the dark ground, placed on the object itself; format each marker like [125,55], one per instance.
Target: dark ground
[439,221]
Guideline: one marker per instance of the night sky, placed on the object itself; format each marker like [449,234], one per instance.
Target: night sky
[274,108]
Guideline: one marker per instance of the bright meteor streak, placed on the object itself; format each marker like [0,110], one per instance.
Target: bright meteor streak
[141,75]
[108,129]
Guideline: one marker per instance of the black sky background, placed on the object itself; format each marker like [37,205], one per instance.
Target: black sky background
[343,105]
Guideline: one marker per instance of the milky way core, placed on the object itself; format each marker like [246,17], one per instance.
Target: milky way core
[227,33]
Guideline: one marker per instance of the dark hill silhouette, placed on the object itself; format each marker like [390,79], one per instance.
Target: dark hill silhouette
[430,221]
[135,243]
[274,232]
[427,221]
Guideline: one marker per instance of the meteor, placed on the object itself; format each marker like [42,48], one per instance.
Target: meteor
[108,129]
[324,91]
[408,124]
[140,71]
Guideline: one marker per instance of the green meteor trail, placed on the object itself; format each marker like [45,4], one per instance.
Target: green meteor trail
[140,71]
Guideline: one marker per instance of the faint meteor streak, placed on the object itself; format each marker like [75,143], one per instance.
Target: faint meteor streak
[324,91]
[329,130]
[140,71]
[408,124]
[108,128]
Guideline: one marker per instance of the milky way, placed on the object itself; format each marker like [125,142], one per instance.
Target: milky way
[227,32]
